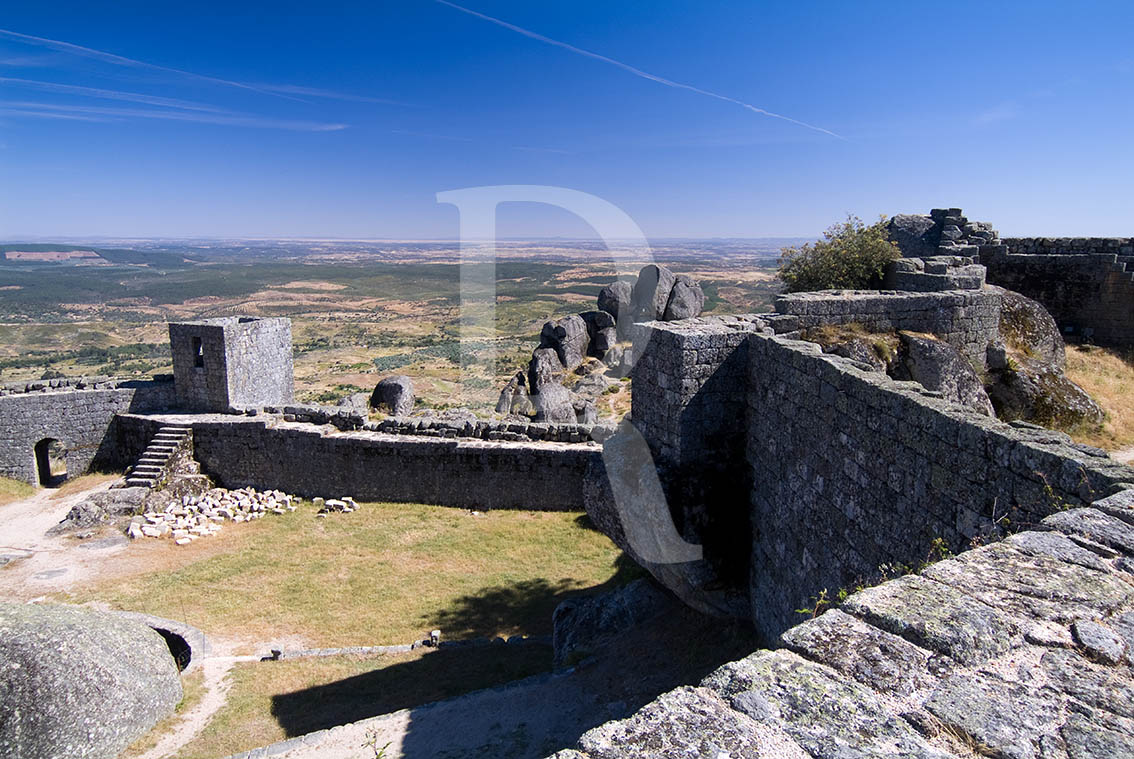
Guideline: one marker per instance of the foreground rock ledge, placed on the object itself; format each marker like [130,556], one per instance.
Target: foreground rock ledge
[79,684]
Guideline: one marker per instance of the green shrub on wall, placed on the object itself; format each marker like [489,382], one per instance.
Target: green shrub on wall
[851,256]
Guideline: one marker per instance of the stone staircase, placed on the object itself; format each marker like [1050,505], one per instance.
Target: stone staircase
[156,463]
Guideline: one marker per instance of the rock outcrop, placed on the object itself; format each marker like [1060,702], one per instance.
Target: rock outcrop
[394,395]
[569,338]
[936,365]
[566,344]
[651,293]
[686,299]
[79,684]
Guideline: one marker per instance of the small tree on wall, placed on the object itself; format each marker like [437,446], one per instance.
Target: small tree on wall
[851,256]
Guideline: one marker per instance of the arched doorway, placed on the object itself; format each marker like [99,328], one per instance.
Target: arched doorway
[50,462]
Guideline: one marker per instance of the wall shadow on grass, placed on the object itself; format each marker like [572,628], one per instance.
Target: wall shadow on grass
[435,676]
[525,606]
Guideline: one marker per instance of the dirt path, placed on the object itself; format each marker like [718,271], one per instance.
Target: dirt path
[216,685]
[41,564]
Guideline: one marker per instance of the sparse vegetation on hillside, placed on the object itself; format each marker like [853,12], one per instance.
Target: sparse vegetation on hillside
[851,256]
[1108,376]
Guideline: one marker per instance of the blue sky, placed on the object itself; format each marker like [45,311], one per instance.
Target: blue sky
[345,119]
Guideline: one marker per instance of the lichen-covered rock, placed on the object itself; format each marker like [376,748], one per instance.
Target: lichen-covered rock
[1027,328]
[545,368]
[651,292]
[356,402]
[102,508]
[689,722]
[937,618]
[686,299]
[860,350]
[976,703]
[936,365]
[823,711]
[79,684]
[876,658]
[394,394]
[1034,392]
[915,235]
[568,337]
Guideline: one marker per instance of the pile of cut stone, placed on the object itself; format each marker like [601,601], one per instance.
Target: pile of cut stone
[200,516]
[346,505]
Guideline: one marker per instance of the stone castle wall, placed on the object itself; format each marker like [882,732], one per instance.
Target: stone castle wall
[310,461]
[852,470]
[966,319]
[79,414]
[1086,283]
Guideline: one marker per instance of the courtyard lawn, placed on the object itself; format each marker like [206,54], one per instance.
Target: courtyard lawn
[386,574]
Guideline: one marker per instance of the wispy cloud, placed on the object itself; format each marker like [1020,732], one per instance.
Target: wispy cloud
[27,61]
[635,71]
[95,92]
[4,111]
[315,92]
[52,110]
[118,60]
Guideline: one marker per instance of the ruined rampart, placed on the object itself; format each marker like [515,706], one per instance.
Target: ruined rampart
[79,414]
[1086,283]
[852,471]
[812,473]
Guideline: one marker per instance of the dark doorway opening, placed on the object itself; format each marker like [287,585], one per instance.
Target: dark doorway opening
[50,462]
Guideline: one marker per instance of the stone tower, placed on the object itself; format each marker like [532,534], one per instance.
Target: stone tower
[235,361]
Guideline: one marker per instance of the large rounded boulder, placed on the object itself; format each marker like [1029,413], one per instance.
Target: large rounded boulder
[79,684]
[651,292]
[394,394]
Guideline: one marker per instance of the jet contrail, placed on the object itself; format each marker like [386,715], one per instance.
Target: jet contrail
[95,92]
[119,60]
[634,71]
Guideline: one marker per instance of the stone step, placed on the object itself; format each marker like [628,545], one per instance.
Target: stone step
[162,447]
[140,482]
[173,439]
[147,471]
[151,461]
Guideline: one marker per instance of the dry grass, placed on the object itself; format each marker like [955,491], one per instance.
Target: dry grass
[14,490]
[1108,376]
[272,701]
[386,574]
[83,482]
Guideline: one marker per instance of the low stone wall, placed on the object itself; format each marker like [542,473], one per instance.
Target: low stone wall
[1086,283]
[77,413]
[310,461]
[966,319]
[424,426]
[852,471]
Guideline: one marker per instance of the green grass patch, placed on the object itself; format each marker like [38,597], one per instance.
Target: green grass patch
[386,574]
